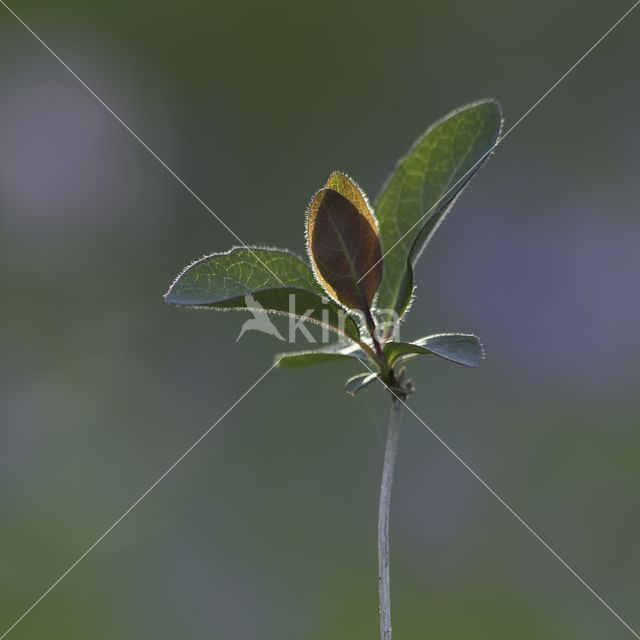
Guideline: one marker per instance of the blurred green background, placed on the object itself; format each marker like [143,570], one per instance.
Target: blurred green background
[267,530]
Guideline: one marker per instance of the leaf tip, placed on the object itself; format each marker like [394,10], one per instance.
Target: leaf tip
[358,382]
[336,175]
[498,113]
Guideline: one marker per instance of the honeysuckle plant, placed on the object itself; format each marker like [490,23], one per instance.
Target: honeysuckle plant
[359,282]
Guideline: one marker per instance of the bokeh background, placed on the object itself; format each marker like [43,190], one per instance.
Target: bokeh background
[267,530]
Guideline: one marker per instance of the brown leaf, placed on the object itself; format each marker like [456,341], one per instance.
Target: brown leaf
[343,243]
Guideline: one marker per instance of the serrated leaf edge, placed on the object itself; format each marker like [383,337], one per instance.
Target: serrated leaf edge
[371,218]
[437,123]
[207,307]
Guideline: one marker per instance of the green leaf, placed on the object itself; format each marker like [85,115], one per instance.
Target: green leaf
[344,245]
[331,353]
[359,382]
[421,190]
[462,348]
[260,280]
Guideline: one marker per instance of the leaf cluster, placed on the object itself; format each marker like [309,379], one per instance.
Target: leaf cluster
[359,282]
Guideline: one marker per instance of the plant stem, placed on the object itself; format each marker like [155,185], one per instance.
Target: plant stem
[384,581]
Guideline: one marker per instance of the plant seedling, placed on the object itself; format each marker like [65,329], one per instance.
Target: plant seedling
[360,280]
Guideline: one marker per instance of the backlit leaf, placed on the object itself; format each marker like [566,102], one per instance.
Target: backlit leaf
[422,189]
[260,280]
[330,353]
[462,348]
[348,188]
[359,382]
[343,244]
